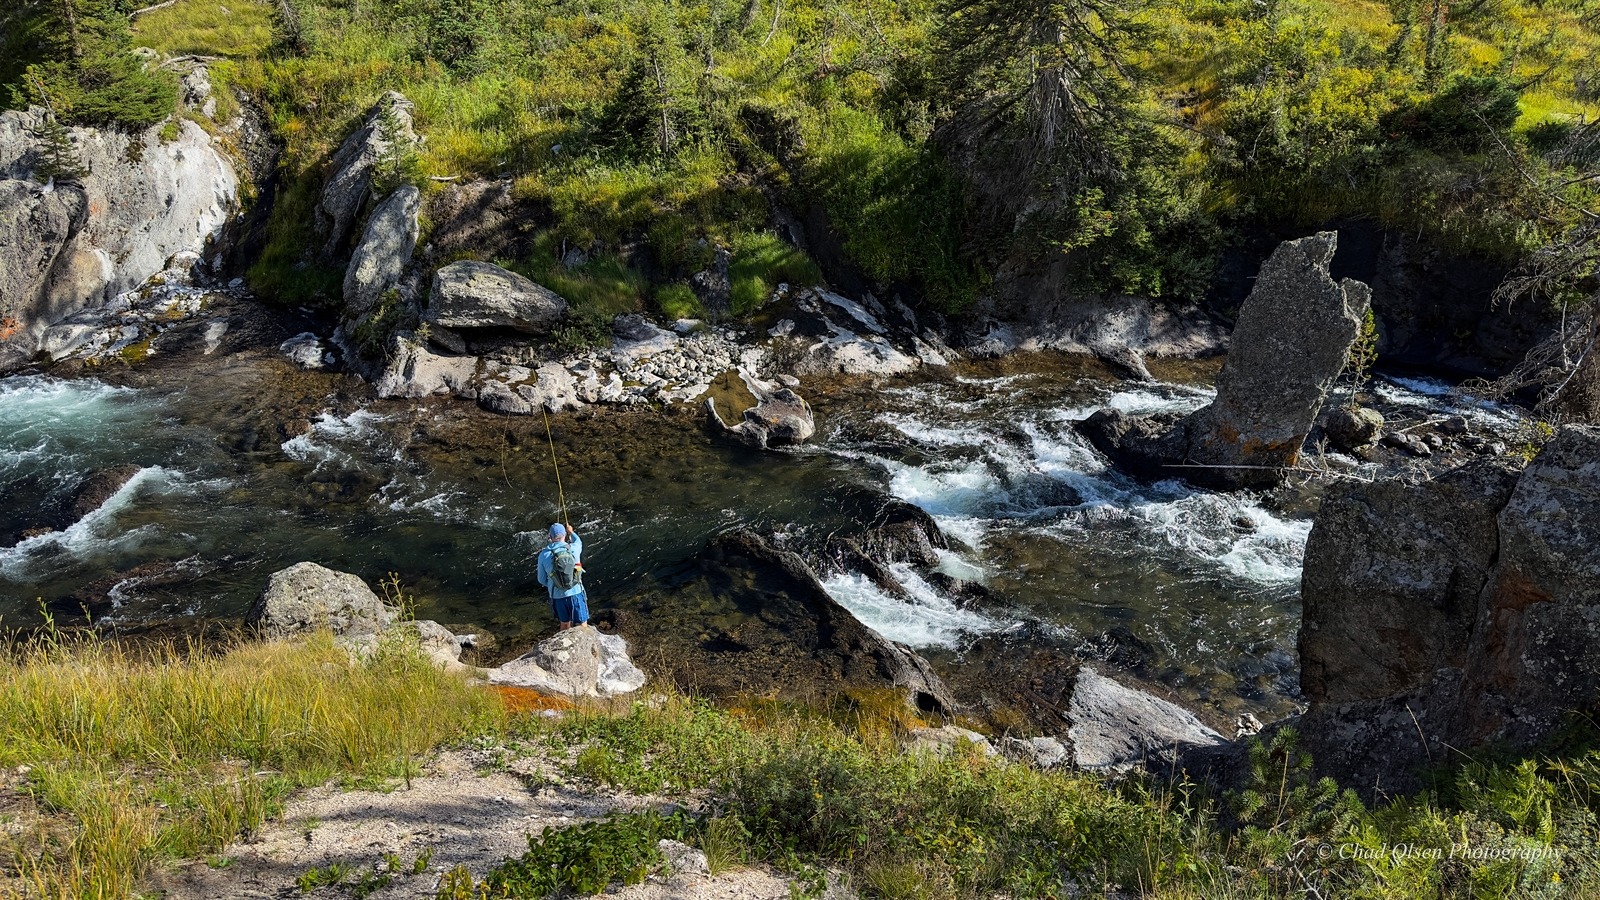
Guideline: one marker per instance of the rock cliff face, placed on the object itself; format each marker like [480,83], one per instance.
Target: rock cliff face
[1460,612]
[1293,336]
[69,246]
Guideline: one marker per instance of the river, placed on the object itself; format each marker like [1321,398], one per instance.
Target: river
[254,467]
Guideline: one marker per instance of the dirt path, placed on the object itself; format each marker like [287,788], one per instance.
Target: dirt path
[468,808]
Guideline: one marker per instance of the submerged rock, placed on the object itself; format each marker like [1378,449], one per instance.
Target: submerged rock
[305,350]
[745,616]
[307,597]
[469,294]
[578,662]
[780,417]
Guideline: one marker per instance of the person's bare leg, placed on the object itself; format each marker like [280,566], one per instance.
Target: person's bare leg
[565,625]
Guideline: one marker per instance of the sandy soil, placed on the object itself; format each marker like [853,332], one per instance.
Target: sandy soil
[469,808]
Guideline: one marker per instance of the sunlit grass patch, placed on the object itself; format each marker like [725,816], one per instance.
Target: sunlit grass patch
[235,28]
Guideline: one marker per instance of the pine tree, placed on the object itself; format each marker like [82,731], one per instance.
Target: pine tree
[80,52]
[59,160]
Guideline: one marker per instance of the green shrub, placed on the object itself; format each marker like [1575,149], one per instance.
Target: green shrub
[587,858]
[760,262]
[678,301]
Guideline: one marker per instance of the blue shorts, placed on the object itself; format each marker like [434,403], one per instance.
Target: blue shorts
[574,609]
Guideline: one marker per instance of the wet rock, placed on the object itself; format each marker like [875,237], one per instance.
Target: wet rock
[778,630]
[1116,727]
[305,350]
[380,259]
[97,489]
[469,294]
[1143,446]
[414,372]
[1410,443]
[1352,428]
[901,532]
[578,662]
[306,597]
[1127,362]
[349,184]
[779,417]
[858,346]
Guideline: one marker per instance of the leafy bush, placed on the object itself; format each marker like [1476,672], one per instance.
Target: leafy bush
[760,263]
[587,858]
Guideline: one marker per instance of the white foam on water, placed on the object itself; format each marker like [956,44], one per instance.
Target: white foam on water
[1444,398]
[320,445]
[926,619]
[47,421]
[1228,531]
[1166,398]
[936,435]
[92,535]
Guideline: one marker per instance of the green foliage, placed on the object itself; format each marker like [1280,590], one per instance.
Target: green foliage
[1363,355]
[678,301]
[586,858]
[76,56]
[59,159]
[760,263]
[398,163]
[314,877]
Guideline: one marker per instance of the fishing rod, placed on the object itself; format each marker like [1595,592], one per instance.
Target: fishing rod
[560,491]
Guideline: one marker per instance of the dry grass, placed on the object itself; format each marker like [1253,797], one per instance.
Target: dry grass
[132,756]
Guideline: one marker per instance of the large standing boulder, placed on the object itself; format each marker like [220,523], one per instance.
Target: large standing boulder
[1443,616]
[384,252]
[306,597]
[1293,336]
[1535,653]
[349,183]
[471,294]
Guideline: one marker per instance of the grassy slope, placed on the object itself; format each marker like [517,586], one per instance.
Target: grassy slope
[138,757]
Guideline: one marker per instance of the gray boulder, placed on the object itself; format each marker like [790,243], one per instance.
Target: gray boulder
[1453,614]
[306,597]
[1292,338]
[553,388]
[1352,428]
[947,739]
[414,372]
[471,294]
[1039,752]
[1391,581]
[384,252]
[497,397]
[1115,727]
[72,246]
[349,183]
[1535,652]
[578,662]
[305,350]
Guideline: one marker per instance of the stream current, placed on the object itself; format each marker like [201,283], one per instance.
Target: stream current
[1201,587]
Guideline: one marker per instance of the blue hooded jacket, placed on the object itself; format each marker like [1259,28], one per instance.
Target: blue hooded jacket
[546,562]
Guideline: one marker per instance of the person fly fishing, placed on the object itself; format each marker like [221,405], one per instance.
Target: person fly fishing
[560,566]
[561,573]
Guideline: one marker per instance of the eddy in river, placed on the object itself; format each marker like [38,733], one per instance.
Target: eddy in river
[561,573]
